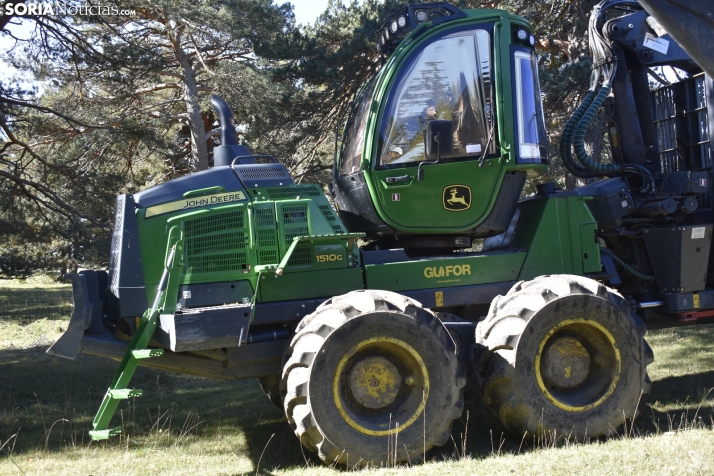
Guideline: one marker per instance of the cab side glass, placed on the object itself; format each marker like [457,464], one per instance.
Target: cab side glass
[530,124]
[354,147]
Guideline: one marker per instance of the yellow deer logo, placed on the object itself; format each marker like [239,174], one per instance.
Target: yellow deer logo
[457,198]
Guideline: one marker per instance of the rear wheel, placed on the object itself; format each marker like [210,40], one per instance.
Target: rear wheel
[372,379]
[562,356]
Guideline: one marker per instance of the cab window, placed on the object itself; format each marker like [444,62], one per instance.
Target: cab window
[530,123]
[356,125]
[449,79]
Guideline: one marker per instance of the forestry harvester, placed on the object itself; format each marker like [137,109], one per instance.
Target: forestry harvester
[430,274]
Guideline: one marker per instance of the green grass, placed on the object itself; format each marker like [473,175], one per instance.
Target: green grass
[189,425]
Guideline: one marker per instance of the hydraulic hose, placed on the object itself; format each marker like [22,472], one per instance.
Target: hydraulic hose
[628,268]
[579,138]
[566,139]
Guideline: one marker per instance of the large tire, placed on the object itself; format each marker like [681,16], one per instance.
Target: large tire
[372,378]
[562,356]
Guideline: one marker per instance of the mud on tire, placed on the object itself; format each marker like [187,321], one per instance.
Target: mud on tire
[372,378]
[562,356]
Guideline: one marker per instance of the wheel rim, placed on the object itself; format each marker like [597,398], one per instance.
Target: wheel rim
[577,365]
[381,386]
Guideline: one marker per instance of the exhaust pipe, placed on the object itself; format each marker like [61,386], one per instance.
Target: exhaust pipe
[226,153]
[225,118]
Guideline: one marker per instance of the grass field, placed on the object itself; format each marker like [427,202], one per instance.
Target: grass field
[189,425]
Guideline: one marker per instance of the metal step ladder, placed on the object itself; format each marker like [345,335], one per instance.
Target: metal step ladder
[164,303]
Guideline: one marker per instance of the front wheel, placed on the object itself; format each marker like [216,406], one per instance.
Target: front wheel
[372,378]
[562,356]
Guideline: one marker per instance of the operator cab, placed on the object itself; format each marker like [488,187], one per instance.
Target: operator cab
[426,150]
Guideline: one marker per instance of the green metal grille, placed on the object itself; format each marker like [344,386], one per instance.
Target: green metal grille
[214,223]
[301,256]
[294,222]
[266,237]
[295,215]
[293,232]
[268,257]
[265,216]
[215,243]
[284,193]
[216,263]
[327,211]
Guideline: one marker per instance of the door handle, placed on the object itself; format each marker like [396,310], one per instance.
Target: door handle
[400,179]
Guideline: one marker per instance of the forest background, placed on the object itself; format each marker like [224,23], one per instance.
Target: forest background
[117,100]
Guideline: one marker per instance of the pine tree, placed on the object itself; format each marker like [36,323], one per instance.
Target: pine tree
[122,104]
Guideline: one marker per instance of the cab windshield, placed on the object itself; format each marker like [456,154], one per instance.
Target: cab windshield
[449,79]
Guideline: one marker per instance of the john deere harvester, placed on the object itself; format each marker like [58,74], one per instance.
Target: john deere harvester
[366,313]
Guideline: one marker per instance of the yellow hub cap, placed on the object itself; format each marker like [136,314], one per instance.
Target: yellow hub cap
[565,363]
[381,386]
[577,365]
[374,382]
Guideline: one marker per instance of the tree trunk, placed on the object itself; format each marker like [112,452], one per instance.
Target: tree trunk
[199,150]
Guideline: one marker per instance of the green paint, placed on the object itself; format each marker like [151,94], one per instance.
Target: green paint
[307,285]
[422,204]
[487,267]
[232,242]
[559,234]
[420,208]
[228,242]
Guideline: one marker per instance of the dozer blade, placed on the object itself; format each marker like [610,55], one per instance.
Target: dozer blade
[69,343]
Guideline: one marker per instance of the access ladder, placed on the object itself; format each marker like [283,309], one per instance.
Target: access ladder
[137,350]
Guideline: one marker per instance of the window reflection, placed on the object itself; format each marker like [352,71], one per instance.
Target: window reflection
[450,79]
[352,156]
[531,126]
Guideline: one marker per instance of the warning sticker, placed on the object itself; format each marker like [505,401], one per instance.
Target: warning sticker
[659,45]
[698,232]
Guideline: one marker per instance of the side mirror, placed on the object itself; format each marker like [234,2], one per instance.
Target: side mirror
[438,138]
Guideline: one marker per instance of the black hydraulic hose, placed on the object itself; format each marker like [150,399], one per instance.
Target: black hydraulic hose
[625,266]
[566,139]
[648,180]
[579,138]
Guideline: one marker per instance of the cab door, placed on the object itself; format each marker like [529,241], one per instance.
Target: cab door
[449,79]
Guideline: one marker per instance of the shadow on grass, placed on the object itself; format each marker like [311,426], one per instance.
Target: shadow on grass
[22,304]
[48,404]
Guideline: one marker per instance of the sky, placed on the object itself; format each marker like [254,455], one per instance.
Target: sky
[307,11]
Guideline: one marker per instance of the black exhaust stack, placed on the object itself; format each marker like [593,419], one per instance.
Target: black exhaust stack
[226,153]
